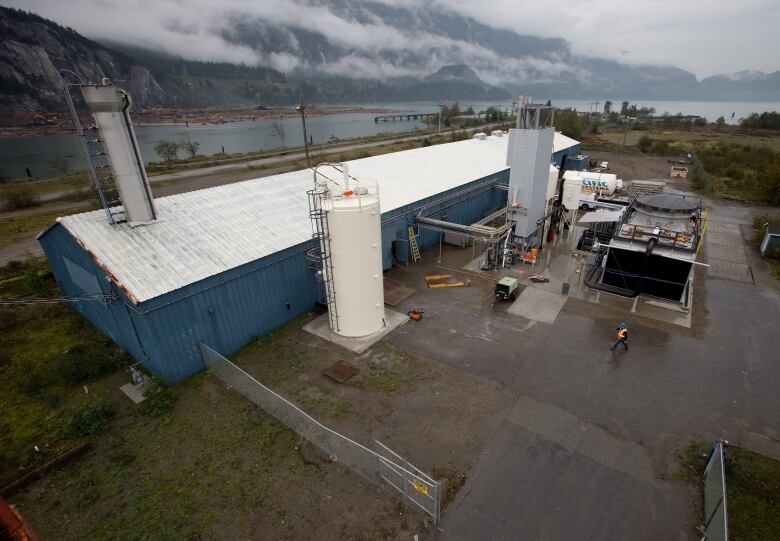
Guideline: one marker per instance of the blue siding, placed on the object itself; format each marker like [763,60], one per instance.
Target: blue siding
[228,309]
[464,209]
[112,319]
[225,311]
[568,152]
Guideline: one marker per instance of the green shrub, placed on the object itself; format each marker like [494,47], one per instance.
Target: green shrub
[37,284]
[159,399]
[773,250]
[30,381]
[80,363]
[20,198]
[87,419]
[645,143]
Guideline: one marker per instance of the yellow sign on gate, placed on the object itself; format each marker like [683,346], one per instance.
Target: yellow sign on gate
[419,486]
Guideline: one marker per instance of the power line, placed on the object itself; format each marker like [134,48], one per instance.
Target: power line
[54,300]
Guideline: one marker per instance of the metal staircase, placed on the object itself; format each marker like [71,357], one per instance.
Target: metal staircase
[97,162]
[413,245]
[319,256]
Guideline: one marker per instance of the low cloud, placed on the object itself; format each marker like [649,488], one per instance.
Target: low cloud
[724,37]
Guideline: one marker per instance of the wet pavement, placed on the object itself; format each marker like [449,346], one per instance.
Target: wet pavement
[588,451]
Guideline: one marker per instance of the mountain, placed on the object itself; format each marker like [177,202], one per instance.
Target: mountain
[342,51]
[742,86]
[32,51]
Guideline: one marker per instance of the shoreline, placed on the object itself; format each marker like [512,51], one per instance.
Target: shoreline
[29,124]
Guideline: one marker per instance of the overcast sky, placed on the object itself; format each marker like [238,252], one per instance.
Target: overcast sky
[706,37]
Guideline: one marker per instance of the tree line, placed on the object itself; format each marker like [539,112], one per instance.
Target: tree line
[764,121]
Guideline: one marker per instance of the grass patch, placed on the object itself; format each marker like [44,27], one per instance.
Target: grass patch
[160,398]
[218,464]
[47,354]
[314,403]
[19,197]
[753,495]
[36,221]
[389,370]
[87,419]
[691,461]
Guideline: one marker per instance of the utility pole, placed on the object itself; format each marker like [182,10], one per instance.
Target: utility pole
[302,109]
[440,107]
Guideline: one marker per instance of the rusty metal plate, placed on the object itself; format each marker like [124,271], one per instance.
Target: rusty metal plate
[340,372]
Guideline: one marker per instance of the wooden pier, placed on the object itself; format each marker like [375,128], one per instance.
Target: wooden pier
[404,116]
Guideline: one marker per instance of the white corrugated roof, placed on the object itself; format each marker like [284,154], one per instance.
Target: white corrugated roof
[561,142]
[206,232]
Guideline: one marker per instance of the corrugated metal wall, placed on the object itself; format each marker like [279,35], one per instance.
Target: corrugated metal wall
[464,209]
[568,152]
[65,256]
[227,310]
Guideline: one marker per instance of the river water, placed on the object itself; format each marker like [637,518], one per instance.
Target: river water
[17,154]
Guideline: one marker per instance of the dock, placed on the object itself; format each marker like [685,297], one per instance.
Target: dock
[404,116]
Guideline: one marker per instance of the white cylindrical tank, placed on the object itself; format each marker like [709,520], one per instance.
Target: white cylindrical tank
[602,183]
[354,259]
[110,107]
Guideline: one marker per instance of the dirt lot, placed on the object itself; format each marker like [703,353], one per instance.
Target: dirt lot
[217,467]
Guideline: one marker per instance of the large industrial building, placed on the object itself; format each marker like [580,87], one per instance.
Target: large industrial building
[225,264]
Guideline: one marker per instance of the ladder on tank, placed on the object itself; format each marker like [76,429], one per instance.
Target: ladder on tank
[98,167]
[322,260]
[413,245]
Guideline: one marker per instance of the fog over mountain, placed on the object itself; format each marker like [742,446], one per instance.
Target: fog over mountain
[389,50]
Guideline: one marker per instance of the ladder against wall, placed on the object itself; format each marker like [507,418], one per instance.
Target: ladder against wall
[413,245]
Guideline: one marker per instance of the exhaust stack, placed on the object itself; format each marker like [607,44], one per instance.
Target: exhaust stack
[110,107]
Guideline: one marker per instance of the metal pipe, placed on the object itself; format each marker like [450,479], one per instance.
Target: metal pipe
[137,153]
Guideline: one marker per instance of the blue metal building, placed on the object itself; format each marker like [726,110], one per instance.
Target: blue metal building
[230,263]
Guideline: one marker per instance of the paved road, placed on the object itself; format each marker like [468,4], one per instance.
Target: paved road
[588,449]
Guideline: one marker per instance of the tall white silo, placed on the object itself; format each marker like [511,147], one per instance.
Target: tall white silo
[351,246]
[110,107]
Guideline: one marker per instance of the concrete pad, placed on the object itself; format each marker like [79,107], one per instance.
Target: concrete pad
[321,327]
[728,239]
[759,443]
[729,270]
[726,253]
[538,304]
[133,393]
[723,227]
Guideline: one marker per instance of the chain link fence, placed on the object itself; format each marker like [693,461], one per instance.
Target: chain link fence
[716,525]
[382,467]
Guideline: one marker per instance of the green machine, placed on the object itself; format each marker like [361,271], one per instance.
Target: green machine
[506,289]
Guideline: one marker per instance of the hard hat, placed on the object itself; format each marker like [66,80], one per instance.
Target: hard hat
[622,324]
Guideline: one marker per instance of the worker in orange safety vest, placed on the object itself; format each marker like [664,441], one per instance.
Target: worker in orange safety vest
[622,337]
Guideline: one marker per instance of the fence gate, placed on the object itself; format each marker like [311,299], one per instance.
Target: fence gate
[415,486]
[715,515]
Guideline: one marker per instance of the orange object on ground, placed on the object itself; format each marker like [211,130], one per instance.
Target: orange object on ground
[12,525]
[415,314]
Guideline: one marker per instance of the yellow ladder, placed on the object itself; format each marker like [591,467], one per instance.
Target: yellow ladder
[413,244]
